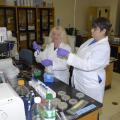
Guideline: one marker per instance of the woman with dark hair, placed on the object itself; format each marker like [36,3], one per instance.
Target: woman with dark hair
[91,60]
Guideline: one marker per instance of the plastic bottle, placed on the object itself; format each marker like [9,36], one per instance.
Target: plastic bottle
[36,115]
[49,110]
[31,97]
[21,89]
[29,112]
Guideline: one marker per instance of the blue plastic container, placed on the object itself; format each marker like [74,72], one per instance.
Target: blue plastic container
[49,78]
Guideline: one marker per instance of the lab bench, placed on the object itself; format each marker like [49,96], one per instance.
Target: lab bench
[88,109]
[88,112]
[109,73]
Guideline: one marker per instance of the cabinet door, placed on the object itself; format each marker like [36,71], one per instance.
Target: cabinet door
[31,17]
[8,19]
[114,51]
[22,23]
[46,21]
[23,40]
[32,34]
[119,62]
[2,15]
[27,26]
[22,28]
[11,20]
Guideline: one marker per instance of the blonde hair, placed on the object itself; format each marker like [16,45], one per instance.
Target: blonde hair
[63,34]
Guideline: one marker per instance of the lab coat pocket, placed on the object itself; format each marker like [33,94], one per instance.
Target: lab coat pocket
[99,79]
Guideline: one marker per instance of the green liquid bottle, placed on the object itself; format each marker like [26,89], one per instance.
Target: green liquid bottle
[49,109]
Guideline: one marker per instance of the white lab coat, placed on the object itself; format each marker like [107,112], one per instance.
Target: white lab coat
[60,68]
[89,63]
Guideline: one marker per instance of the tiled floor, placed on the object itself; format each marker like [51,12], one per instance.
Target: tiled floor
[110,111]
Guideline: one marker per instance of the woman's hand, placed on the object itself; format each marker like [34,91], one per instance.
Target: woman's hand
[46,62]
[36,47]
[62,52]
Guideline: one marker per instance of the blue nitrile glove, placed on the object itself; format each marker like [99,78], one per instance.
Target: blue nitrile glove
[36,46]
[62,52]
[46,62]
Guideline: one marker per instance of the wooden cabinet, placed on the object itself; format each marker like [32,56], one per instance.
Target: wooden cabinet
[27,32]
[27,23]
[109,71]
[115,52]
[8,19]
[45,21]
[119,50]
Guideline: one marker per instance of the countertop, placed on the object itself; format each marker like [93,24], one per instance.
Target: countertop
[60,86]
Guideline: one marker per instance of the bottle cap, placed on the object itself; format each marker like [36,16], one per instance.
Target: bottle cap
[49,96]
[37,99]
[21,82]
[37,74]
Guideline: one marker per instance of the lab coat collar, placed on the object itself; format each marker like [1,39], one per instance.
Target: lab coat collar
[53,43]
[103,40]
[61,44]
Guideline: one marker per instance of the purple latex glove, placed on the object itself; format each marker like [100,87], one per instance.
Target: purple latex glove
[62,52]
[46,62]
[36,46]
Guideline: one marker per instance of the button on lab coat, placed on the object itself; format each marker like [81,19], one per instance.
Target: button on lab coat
[89,67]
[60,67]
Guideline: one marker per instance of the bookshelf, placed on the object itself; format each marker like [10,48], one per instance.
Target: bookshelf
[27,23]
[45,22]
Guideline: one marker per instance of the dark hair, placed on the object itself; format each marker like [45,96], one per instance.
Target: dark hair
[102,23]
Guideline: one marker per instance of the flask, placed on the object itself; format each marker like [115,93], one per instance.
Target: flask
[21,89]
[36,115]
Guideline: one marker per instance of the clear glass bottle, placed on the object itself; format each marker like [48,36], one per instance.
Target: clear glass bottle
[49,109]
[21,89]
[36,114]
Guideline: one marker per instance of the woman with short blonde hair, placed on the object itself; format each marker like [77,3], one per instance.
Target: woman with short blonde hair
[49,58]
[63,34]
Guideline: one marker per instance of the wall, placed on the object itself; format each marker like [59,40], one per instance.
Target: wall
[82,14]
[113,4]
[64,10]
